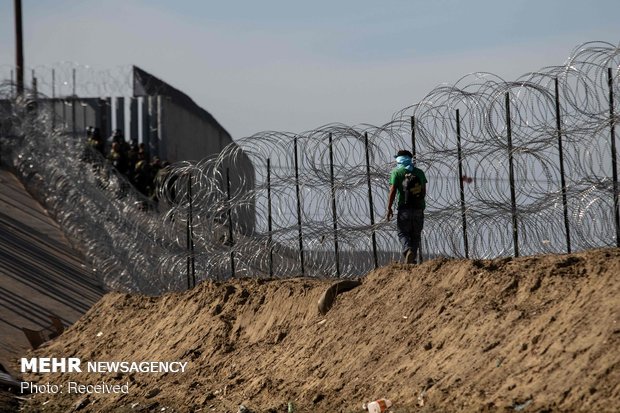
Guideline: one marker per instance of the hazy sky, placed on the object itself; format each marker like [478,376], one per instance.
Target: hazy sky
[293,66]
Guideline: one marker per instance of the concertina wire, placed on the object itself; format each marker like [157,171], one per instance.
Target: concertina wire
[141,246]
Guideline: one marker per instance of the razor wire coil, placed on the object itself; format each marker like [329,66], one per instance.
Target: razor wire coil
[146,250]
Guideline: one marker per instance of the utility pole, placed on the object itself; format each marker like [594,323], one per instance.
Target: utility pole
[19,48]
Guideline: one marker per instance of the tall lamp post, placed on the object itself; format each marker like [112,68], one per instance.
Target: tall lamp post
[19,48]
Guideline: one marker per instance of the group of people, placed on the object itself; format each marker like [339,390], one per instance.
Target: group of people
[407,183]
[129,159]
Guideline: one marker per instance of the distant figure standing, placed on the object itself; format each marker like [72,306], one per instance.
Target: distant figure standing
[118,158]
[95,140]
[409,183]
[143,175]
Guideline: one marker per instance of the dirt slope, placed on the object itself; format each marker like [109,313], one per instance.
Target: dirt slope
[528,334]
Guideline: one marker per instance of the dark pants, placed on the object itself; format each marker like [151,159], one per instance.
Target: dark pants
[409,224]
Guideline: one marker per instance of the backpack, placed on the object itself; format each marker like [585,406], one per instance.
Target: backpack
[412,189]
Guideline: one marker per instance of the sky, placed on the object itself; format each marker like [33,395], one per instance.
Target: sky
[287,65]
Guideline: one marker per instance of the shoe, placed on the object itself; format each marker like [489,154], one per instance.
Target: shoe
[409,257]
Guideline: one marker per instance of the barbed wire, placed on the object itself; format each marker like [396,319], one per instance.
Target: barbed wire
[249,223]
[65,79]
[480,99]
[115,226]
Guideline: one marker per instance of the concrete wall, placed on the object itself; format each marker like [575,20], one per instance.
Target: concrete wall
[183,135]
[190,135]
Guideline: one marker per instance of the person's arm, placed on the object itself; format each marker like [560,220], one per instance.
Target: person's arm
[391,197]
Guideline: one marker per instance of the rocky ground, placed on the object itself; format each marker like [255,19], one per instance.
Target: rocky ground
[532,334]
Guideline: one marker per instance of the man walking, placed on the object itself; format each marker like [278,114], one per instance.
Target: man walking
[409,183]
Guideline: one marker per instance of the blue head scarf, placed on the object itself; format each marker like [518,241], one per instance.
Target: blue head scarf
[405,161]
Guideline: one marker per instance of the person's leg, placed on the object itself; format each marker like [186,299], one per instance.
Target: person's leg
[403,227]
[417,224]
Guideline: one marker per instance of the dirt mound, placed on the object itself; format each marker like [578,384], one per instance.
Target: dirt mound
[529,334]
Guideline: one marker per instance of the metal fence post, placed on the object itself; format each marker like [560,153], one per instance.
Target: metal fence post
[64,114]
[558,121]
[301,242]
[413,145]
[269,219]
[73,102]
[53,100]
[120,117]
[13,93]
[371,204]
[614,159]
[84,115]
[230,225]
[191,270]
[414,153]
[133,119]
[35,91]
[334,211]
[511,177]
[461,183]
